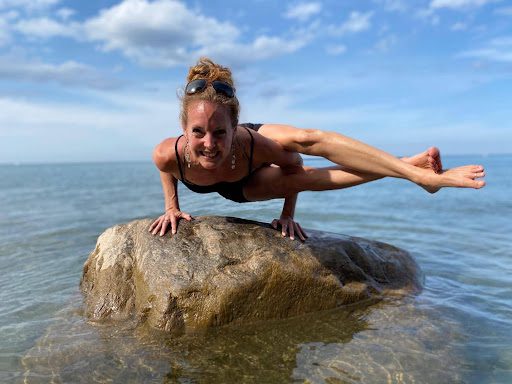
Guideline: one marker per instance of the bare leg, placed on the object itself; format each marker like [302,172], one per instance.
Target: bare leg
[361,157]
[272,182]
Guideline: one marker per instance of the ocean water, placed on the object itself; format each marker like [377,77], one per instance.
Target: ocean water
[457,330]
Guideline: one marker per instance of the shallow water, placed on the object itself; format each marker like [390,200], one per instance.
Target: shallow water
[457,330]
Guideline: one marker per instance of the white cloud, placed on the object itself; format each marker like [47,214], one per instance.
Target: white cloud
[356,22]
[29,5]
[497,50]
[456,4]
[65,13]
[162,33]
[67,73]
[166,33]
[44,27]
[336,49]
[303,11]
[262,47]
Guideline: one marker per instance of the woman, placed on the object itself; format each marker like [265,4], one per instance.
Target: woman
[259,162]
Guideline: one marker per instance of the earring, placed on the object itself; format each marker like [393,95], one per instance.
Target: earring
[187,154]
[233,158]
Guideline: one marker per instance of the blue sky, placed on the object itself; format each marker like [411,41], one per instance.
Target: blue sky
[97,80]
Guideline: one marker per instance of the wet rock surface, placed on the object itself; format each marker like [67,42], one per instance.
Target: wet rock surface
[218,270]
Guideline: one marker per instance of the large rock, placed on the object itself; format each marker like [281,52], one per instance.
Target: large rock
[216,270]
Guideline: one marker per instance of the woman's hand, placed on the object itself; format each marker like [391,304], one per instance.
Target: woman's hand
[289,226]
[172,217]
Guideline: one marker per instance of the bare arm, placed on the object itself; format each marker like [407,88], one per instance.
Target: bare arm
[170,189]
[290,163]
[164,158]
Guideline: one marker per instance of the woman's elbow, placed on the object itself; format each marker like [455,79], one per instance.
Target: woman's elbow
[160,159]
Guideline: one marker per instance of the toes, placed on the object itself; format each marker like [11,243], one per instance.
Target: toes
[434,152]
[477,184]
[475,175]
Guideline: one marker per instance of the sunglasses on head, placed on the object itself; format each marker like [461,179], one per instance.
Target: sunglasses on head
[200,85]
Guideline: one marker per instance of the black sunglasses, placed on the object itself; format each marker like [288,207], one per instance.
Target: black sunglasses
[200,85]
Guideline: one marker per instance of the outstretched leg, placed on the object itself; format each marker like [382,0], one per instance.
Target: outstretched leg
[272,183]
[361,157]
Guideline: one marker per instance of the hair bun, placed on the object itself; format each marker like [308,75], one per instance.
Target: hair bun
[207,69]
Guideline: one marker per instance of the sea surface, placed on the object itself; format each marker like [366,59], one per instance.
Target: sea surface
[457,330]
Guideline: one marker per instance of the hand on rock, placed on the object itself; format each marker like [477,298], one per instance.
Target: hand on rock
[172,217]
[289,227]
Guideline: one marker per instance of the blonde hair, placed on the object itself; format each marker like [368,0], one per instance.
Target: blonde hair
[210,71]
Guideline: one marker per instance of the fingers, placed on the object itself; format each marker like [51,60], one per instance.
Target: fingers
[153,225]
[186,216]
[174,225]
[289,228]
[284,229]
[167,221]
[163,229]
[292,230]
[302,235]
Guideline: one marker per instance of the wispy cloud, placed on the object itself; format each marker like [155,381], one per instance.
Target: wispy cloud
[29,5]
[84,131]
[506,11]
[6,20]
[5,36]
[356,22]
[67,73]
[497,50]
[457,4]
[385,43]
[65,13]
[303,11]
[336,49]
[459,26]
[393,5]
[45,27]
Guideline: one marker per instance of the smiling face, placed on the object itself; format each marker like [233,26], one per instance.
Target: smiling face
[209,132]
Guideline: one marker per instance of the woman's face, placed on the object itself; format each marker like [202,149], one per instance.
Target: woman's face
[209,132]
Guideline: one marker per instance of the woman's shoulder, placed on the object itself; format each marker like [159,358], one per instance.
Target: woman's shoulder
[263,148]
[164,154]
[251,126]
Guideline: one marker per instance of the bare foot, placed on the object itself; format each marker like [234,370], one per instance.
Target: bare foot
[428,159]
[459,177]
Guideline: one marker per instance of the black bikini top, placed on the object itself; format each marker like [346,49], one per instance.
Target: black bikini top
[230,190]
